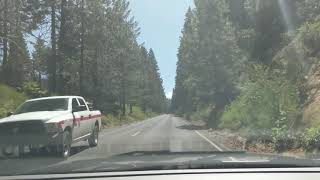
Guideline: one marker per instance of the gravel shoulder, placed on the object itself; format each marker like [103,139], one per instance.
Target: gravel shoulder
[235,141]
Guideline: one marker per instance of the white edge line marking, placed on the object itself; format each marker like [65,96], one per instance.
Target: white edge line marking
[210,142]
[135,133]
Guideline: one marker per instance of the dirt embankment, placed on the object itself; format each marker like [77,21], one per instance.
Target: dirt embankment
[237,141]
[240,141]
[311,110]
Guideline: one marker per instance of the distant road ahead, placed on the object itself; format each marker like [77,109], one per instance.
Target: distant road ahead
[161,133]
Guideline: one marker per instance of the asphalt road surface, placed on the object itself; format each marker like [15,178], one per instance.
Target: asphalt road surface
[161,133]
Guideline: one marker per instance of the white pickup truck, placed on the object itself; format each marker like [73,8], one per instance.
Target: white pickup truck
[53,123]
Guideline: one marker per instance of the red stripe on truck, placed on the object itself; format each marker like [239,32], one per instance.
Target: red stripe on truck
[88,118]
[81,119]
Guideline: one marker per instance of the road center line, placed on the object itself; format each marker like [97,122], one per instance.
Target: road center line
[135,134]
[208,140]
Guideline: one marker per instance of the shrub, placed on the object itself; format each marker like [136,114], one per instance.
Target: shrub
[231,117]
[33,90]
[282,138]
[10,99]
[110,121]
[311,139]
[310,33]
[202,114]
[138,114]
[280,133]
[261,102]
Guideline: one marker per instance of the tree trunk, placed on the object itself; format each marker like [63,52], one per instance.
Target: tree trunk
[131,109]
[123,97]
[62,36]
[95,76]
[120,104]
[81,71]
[5,33]
[123,88]
[144,84]
[53,62]
[39,79]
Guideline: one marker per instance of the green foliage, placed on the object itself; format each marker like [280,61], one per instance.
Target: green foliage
[311,139]
[93,52]
[110,121]
[137,114]
[270,24]
[10,99]
[280,132]
[310,36]
[298,61]
[266,101]
[210,61]
[202,115]
[40,59]
[18,60]
[232,118]
[308,10]
[118,69]
[33,90]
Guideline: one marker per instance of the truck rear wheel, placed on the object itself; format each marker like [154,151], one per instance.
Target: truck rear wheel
[94,137]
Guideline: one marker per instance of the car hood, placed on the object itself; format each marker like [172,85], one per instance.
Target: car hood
[136,161]
[42,115]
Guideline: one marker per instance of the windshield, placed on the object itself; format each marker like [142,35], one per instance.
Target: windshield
[200,83]
[60,104]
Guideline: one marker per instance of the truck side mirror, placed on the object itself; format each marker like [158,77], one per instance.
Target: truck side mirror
[9,114]
[90,106]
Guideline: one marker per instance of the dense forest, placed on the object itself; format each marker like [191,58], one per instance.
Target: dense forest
[250,64]
[79,47]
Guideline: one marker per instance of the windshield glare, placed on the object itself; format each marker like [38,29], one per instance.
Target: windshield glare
[60,104]
[158,84]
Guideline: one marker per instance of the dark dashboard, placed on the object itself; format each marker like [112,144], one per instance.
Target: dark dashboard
[223,174]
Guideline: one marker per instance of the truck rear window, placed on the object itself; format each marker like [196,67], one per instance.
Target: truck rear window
[60,104]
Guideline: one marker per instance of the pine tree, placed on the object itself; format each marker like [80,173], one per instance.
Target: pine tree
[40,59]
[209,60]
[18,60]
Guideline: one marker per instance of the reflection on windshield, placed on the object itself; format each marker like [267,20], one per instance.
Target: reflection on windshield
[60,104]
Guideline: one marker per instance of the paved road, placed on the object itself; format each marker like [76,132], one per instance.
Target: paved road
[162,133]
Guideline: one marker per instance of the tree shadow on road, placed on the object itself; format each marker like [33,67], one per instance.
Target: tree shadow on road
[192,127]
[77,149]
[43,153]
[29,162]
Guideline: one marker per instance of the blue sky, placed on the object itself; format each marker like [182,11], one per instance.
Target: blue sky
[161,22]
